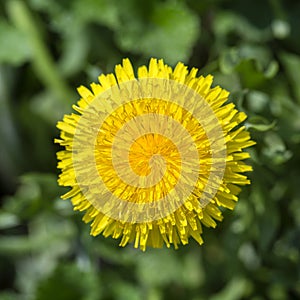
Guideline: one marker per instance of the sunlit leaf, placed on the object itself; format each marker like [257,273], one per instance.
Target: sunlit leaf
[15,48]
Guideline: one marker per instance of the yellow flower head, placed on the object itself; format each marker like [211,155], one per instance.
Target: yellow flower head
[151,159]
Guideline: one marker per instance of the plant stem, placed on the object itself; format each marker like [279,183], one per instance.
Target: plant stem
[41,58]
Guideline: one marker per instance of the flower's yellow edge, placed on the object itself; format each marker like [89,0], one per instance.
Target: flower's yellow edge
[186,221]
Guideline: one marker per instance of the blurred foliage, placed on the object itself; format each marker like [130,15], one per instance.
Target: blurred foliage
[252,47]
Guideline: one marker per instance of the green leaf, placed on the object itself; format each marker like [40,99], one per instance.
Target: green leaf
[126,291]
[106,12]
[15,48]
[234,290]
[8,220]
[160,37]
[35,194]
[227,22]
[165,261]
[49,107]
[75,50]
[260,124]
[254,64]
[257,101]
[276,148]
[291,63]
[193,273]
[49,235]
[9,296]
[268,225]
[68,282]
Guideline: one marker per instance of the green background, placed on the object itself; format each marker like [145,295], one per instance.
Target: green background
[48,48]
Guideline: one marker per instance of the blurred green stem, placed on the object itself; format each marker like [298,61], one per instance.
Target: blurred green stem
[10,152]
[278,10]
[42,60]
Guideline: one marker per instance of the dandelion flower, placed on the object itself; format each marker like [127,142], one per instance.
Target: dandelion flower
[152,158]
